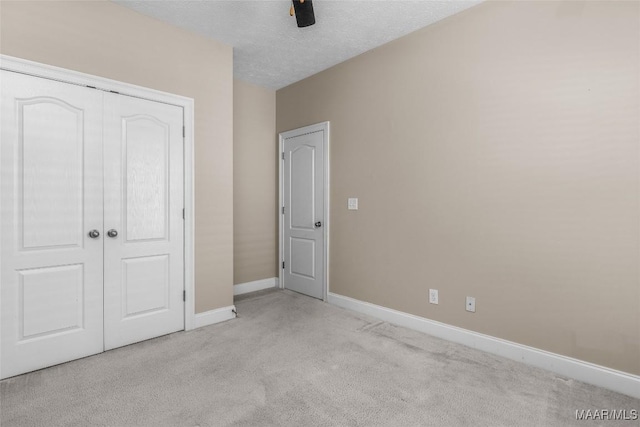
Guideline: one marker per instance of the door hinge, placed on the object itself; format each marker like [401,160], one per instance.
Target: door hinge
[283,265]
[283,210]
[182,213]
[184,132]
[283,155]
[184,295]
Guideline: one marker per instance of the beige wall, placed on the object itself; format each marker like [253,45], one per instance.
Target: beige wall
[254,186]
[108,40]
[494,154]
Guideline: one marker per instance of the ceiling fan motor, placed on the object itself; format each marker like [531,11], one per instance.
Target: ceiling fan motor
[303,9]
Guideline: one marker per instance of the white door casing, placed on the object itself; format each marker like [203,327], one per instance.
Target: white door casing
[143,270]
[51,191]
[304,220]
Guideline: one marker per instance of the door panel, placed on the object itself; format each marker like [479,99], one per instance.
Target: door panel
[304,207]
[51,300]
[51,197]
[146,151]
[145,285]
[144,278]
[45,146]
[303,257]
[302,186]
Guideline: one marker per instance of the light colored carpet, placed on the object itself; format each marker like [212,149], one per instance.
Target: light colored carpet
[290,360]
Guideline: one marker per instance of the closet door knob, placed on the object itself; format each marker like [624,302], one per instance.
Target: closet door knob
[94,234]
[112,233]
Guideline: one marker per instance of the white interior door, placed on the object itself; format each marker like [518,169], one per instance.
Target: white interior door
[50,199]
[304,211]
[143,271]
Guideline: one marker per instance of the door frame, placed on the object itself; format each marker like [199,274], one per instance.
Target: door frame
[23,66]
[324,127]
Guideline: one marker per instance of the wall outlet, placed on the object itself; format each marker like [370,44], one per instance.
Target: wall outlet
[352,203]
[471,304]
[433,296]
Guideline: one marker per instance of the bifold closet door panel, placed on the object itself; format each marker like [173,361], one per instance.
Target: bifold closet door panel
[143,271]
[51,271]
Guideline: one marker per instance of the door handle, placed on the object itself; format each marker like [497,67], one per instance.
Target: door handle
[318,224]
[112,233]
[94,234]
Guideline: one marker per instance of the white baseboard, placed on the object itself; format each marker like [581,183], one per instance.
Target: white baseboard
[257,285]
[215,316]
[601,376]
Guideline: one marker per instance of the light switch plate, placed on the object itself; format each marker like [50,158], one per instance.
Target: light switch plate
[352,204]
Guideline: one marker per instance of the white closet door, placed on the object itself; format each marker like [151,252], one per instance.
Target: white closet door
[143,272]
[51,198]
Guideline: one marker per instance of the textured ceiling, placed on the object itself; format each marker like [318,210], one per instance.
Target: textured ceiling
[271,51]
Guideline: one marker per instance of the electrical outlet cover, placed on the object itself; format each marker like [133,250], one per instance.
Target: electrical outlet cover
[471,304]
[433,296]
